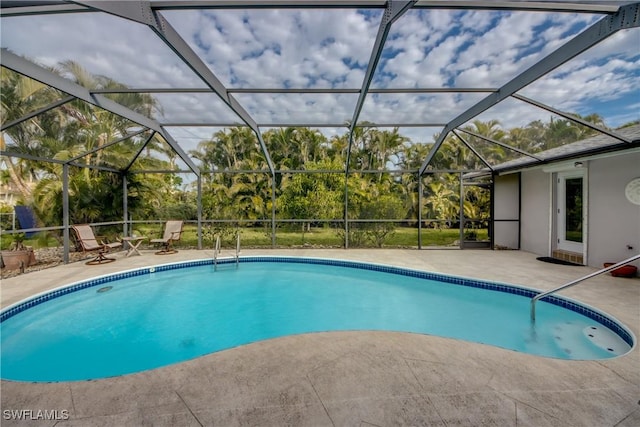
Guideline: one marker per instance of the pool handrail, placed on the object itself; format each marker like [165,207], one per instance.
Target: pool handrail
[576,281]
[216,250]
[237,249]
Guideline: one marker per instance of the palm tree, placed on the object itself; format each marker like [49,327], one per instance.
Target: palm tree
[66,132]
[209,153]
[384,145]
[529,139]
[593,118]
[453,154]
[493,153]
[561,132]
[312,144]
[251,192]
[362,147]
[441,202]
[338,148]
[284,147]
[21,95]
[410,157]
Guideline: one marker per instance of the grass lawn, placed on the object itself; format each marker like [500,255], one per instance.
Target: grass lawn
[261,237]
[330,237]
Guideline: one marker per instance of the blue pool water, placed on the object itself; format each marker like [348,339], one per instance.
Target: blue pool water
[152,319]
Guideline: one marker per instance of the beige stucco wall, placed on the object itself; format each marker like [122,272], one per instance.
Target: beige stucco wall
[507,206]
[614,222]
[535,224]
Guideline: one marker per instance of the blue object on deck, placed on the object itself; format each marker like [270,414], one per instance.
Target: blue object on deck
[26,219]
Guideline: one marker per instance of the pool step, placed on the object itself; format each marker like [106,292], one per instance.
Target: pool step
[605,339]
[569,335]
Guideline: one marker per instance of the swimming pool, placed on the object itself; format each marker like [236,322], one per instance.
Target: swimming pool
[152,317]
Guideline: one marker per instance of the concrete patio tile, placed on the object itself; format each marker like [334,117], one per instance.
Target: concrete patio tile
[528,416]
[437,376]
[543,374]
[392,411]
[363,375]
[232,395]
[632,420]
[27,421]
[34,397]
[170,416]
[121,394]
[475,409]
[312,415]
[580,407]
[372,386]
[556,376]
[626,367]
[271,373]
[631,394]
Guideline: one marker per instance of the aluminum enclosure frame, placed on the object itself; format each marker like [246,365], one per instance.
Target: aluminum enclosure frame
[619,15]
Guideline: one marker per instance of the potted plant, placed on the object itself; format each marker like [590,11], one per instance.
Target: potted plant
[18,256]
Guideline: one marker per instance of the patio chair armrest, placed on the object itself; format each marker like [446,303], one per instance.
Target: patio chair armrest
[102,240]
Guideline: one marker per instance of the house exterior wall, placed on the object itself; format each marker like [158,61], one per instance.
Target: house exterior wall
[534,216]
[614,222]
[506,198]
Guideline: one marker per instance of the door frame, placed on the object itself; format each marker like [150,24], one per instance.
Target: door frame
[560,242]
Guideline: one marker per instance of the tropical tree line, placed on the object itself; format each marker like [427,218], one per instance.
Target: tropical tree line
[383,181]
[310,185]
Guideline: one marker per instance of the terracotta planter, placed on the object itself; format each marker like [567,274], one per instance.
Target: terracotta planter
[14,260]
[624,271]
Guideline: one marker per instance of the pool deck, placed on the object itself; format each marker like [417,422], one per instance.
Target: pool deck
[357,378]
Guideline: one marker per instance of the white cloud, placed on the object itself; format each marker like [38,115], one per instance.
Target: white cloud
[500,50]
[283,47]
[411,39]
[299,108]
[127,52]
[412,108]
[477,21]
[602,74]
[194,108]
[189,137]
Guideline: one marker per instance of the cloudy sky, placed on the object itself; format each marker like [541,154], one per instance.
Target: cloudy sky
[331,48]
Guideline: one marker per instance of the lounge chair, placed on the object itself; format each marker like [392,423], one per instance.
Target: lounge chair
[172,232]
[88,242]
[27,219]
